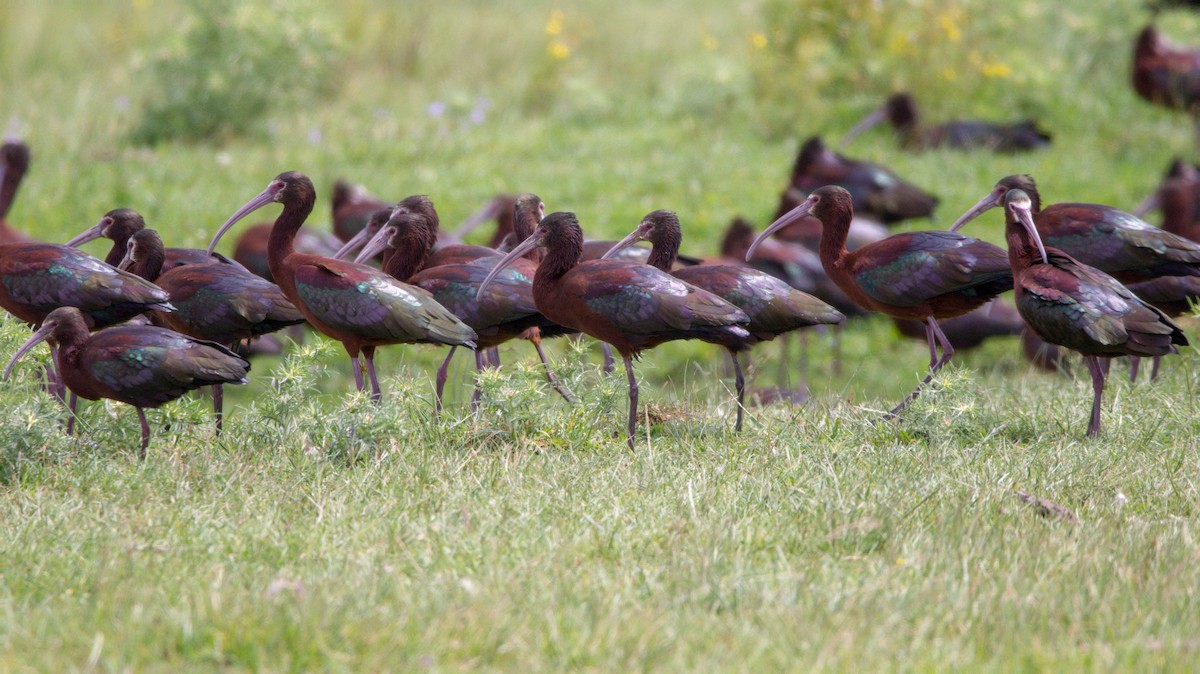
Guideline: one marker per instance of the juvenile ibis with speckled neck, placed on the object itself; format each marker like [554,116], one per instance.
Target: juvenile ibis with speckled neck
[506,311]
[222,303]
[922,276]
[141,365]
[876,191]
[1111,240]
[14,162]
[773,306]
[631,306]
[901,111]
[1078,306]
[360,306]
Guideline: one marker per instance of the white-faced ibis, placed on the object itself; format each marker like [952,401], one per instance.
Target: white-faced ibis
[1167,75]
[37,278]
[923,276]
[773,306]
[901,111]
[807,230]
[119,224]
[877,192]
[359,306]
[504,312]
[1077,306]
[1111,240]
[631,306]
[219,302]
[14,162]
[141,365]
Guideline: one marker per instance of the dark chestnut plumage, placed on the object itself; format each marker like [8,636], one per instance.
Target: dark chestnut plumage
[359,306]
[876,191]
[220,302]
[14,162]
[351,206]
[631,306]
[1166,75]
[1103,237]
[901,111]
[1069,303]
[773,307]
[141,365]
[506,311]
[119,224]
[924,276]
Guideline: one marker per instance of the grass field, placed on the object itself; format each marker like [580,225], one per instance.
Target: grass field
[324,533]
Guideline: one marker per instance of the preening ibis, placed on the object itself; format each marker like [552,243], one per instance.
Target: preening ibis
[901,111]
[505,311]
[1078,306]
[14,162]
[215,301]
[141,365]
[773,306]
[1103,237]
[923,276]
[631,306]
[876,191]
[359,306]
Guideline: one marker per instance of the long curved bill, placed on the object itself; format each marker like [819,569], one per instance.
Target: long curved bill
[1020,209]
[633,237]
[127,261]
[1150,203]
[521,249]
[786,219]
[490,210]
[357,241]
[265,197]
[867,122]
[42,334]
[991,200]
[90,234]
[377,244]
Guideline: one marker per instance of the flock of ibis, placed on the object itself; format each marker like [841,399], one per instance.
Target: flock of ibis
[149,322]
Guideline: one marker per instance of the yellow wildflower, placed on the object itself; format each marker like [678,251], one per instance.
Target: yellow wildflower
[949,74]
[559,50]
[949,26]
[994,69]
[555,23]
[759,40]
[710,42]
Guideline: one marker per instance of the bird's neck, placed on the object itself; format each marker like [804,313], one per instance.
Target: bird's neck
[558,261]
[150,265]
[283,235]
[8,190]
[405,261]
[1022,252]
[834,233]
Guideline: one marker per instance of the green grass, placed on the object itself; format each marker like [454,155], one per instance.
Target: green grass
[324,533]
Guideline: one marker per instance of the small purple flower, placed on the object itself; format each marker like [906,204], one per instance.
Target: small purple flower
[314,136]
[436,109]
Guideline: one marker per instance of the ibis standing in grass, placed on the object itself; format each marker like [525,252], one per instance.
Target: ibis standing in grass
[1077,306]
[631,306]
[774,307]
[360,306]
[922,276]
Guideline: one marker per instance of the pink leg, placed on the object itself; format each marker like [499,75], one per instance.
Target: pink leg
[442,373]
[1098,374]
[633,399]
[369,354]
[358,378]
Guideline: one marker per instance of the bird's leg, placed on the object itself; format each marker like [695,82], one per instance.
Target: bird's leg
[479,365]
[934,335]
[72,401]
[562,391]
[1098,373]
[1134,363]
[633,398]
[493,357]
[608,357]
[1154,370]
[145,433]
[441,379]
[369,355]
[54,382]
[740,382]
[358,378]
[218,394]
